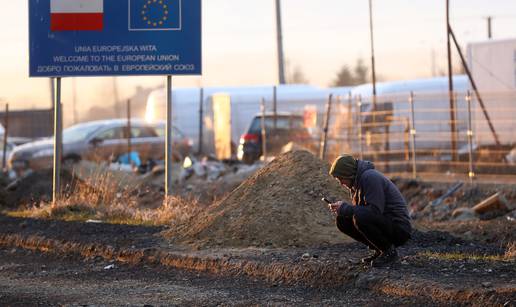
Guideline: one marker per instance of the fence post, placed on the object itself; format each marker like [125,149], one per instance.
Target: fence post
[275,105]
[471,173]
[129,133]
[6,131]
[264,133]
[359,112]
[350,117]
[322,152]
[201,120]
[413,134]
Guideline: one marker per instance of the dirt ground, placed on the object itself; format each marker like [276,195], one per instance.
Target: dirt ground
[40,279]
[34,188]
[38,256]
[271,240]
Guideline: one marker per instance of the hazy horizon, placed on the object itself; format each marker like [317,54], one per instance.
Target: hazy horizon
[240,48]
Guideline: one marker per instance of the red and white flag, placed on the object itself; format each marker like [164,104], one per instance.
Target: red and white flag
[76,15]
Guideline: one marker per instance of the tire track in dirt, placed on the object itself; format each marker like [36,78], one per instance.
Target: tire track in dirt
[287,270]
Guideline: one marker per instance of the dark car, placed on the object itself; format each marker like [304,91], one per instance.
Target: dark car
[279,131]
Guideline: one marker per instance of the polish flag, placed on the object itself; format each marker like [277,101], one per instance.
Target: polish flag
[76,15]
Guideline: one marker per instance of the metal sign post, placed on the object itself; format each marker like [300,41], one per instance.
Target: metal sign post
[168,147]
[58,141]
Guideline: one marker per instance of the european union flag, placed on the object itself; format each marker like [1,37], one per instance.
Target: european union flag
[149,15]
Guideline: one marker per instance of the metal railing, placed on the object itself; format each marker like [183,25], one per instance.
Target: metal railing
[408,134]
[411,134]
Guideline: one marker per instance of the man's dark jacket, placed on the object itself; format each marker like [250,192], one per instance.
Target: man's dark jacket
[378,194]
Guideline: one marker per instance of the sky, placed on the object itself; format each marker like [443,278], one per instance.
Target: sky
[239,44]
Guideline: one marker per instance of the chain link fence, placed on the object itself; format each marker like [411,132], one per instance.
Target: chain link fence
[416,134]
[420,135]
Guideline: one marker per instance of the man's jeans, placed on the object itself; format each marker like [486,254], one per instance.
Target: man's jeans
[374,230]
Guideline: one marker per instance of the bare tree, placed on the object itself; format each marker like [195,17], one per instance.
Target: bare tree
[297,77]
[347,77]
[361,72]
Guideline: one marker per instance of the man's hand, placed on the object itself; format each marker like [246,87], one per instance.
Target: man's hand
[334,207]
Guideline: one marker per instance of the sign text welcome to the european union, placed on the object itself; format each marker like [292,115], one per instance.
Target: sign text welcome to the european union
[114,37]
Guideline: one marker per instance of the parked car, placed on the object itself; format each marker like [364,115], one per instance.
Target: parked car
[288,128]
[100,140]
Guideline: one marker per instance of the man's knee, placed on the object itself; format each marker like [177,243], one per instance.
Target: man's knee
[345,225]
[362,217]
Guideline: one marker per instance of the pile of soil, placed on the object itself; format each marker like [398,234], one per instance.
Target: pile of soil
[278,206]
[34,188]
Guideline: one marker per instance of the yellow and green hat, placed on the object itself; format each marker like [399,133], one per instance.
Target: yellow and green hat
[344,167]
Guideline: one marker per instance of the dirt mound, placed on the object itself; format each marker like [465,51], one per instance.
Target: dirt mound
[34,188]
[279,206]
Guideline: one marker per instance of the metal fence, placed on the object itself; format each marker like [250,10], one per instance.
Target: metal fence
[31,124]
[413,134]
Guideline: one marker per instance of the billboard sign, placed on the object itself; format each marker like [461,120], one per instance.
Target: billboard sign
[114,37]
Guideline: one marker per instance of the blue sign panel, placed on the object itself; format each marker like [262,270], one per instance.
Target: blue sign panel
[114,37]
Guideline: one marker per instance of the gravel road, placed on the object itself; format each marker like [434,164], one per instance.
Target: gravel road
[29,278]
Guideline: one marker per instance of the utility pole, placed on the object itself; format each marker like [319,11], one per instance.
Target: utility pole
[373,71]
[281,64]
[489,33]
[52,92]
[74,100]
[434,68]
[118,112]
[450,86]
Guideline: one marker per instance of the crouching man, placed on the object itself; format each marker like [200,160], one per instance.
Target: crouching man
[378,216]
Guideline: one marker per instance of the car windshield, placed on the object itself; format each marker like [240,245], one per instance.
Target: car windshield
[282,122]
[176,133]
[79,132]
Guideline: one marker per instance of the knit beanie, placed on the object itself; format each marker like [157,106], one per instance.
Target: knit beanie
[344,167]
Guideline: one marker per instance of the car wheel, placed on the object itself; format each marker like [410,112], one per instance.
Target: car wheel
[248,159]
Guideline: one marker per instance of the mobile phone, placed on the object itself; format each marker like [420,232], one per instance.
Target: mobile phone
[324,199]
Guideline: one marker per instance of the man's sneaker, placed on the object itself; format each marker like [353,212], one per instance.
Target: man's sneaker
[387,257]
[375,254]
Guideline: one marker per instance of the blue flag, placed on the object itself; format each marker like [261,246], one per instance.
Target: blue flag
[149,15]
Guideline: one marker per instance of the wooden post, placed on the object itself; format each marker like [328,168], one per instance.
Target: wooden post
[413,134]
[129,145]
[359,115]
[263,131]
[324,140]
[6,132]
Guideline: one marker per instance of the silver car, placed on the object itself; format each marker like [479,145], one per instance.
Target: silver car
[100,140]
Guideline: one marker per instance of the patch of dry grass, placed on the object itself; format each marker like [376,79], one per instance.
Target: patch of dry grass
[455,256]
[510,252]
[106,198]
